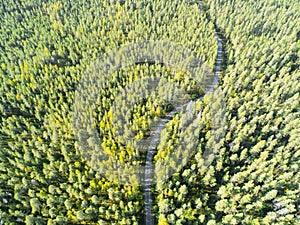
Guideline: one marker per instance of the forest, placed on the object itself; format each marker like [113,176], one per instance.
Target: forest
[77,113]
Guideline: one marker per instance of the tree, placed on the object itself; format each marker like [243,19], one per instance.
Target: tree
[162,220]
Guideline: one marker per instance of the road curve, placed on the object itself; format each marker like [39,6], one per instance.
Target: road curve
[149,218]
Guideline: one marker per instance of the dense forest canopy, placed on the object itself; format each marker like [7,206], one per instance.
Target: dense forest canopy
[256,179]
[46,47]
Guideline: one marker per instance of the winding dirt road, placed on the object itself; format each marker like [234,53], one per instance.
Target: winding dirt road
[149,218]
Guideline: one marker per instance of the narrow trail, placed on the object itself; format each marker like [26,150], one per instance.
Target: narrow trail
[149,218]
